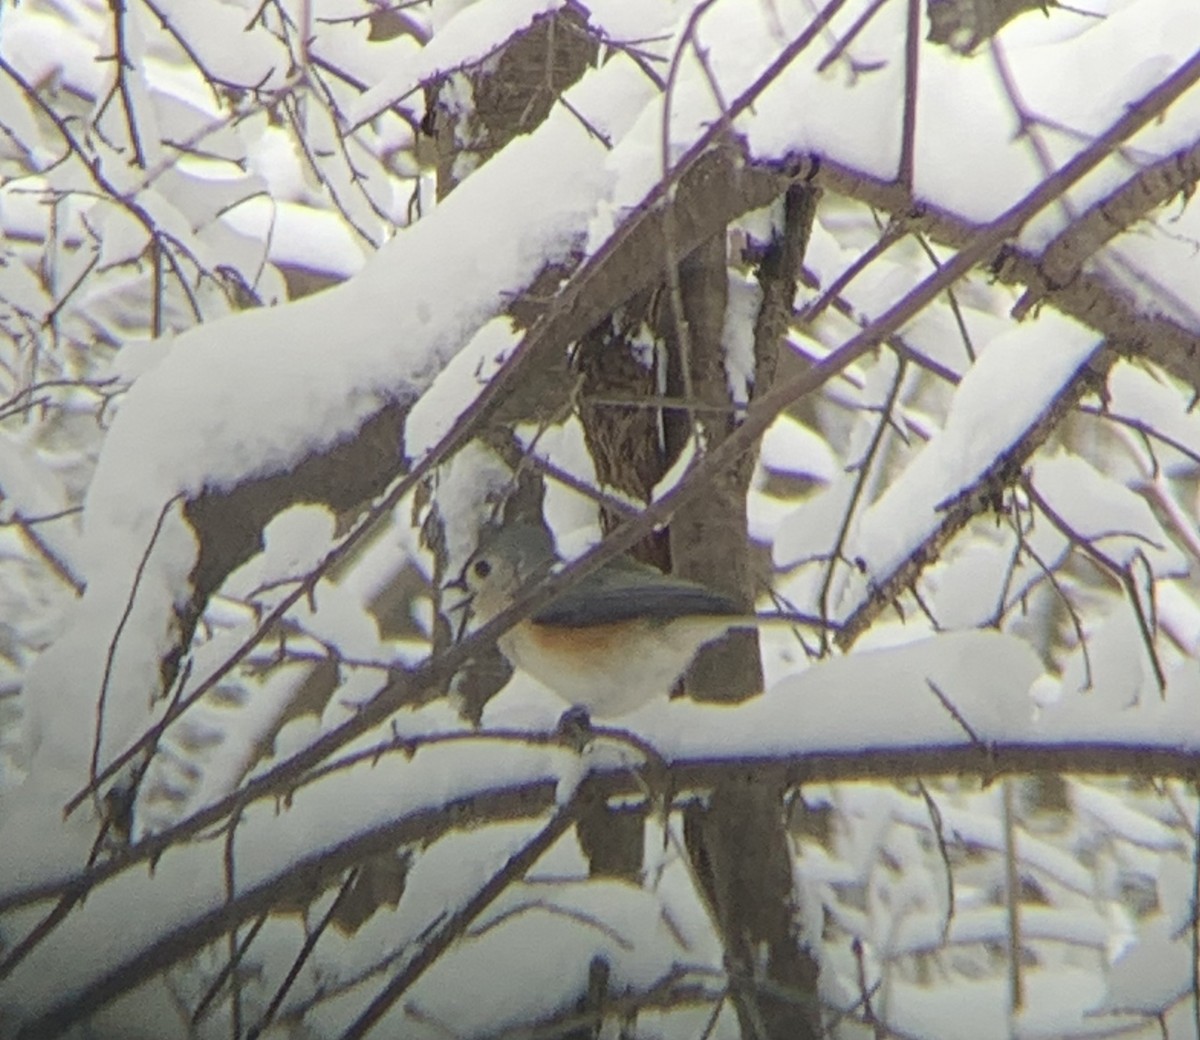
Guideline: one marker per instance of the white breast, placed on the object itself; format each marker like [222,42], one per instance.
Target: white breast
[611,683]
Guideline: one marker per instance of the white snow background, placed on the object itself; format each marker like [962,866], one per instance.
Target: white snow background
[257,392]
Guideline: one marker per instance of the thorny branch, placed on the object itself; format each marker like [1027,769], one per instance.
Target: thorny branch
[1121,573]
[415,686]
[598,287]
[1054,276]
[988,760]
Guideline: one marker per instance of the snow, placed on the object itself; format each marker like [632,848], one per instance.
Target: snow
[211,749]
[259,59]
[922,933]
[421,324]
[35,44]
[549,942]
[1057,1004]
[1125,704]
[1108,75]
[1002,396]
[31,490]
[466,495]
[643,24]
[1135,392]
[465,40]
[985,675]
[1178,614]
[1153,974]
[299,236]
[570,515]
[1153,266]
[346,803]
[348,45]
[458,384]
[1117,818]
[254,394]
[292,542]
[830,706]
[1107,514]
[855,117]
[791,447]
[737,337]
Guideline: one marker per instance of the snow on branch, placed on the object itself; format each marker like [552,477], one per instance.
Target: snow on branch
[956,704]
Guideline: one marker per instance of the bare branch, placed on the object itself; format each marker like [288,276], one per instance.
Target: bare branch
[417,685]
[531,801]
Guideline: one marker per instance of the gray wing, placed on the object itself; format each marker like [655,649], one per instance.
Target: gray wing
[625,591]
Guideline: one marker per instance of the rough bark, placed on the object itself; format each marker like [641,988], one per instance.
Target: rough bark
[738,841]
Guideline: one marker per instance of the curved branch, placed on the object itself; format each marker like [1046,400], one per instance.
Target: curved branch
[569,313]
[685,777]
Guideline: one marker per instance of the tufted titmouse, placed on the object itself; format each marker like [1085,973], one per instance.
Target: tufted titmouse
[618,638]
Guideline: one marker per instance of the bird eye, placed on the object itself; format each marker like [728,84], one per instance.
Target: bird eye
[482,568]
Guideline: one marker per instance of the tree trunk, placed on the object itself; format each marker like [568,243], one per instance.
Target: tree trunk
[738,842]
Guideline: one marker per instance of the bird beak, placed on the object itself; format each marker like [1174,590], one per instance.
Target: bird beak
[461,607]
[462,604]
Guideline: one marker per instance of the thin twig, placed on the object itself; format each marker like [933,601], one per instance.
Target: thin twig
[302,956]
[228,862]
[1012,889]
[952,299]
[759,416]
[908,137]
[865,470]
[1195,928]
[456,923]
[939,834]
[860,23]
[230,966]
[1122,574]
[894,230]
[955,714]
[490,396]
[671,257]
[110,655]
[124,65]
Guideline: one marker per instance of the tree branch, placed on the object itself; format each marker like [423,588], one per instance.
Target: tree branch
[686,776]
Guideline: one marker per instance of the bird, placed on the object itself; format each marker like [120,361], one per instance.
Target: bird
[615,640]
